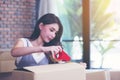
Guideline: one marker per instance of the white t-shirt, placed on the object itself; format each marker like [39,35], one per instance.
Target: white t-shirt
[36,56]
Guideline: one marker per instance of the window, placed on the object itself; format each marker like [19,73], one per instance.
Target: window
[105,33]
[70,13]
[103,30]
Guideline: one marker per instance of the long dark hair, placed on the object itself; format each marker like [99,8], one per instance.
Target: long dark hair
[48,18]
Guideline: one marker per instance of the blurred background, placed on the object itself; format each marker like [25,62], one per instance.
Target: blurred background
[91,27]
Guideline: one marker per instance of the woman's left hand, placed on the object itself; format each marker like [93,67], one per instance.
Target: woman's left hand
[83,64]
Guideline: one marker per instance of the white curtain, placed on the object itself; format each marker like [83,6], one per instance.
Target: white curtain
[51,6]
[47,6]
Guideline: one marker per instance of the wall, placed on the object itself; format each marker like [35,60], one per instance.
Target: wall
[17,19]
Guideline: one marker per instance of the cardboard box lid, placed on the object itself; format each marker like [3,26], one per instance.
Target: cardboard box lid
[54,67]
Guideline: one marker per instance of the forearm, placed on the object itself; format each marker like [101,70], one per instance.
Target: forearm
[21,51]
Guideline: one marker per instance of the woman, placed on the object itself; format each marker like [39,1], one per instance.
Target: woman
[42,46]
[45,39]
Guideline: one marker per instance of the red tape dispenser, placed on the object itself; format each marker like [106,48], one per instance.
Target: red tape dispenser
[62,56]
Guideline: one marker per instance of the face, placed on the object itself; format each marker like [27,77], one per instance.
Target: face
[48,32]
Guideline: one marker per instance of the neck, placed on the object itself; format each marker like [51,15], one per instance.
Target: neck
[38,42]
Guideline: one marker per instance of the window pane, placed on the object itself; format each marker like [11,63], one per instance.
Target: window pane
[105,33]
[70,13]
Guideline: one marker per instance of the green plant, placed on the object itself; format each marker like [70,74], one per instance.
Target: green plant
[101,23]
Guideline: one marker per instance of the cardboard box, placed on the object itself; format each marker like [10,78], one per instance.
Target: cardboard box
[7,66]
[7,62]
[6,76]
[115,74]
[66,71]
[97,75]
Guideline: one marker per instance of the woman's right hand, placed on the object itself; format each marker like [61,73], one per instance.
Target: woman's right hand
[53,49]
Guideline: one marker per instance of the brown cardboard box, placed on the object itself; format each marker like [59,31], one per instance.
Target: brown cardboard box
[115,74]
[7,62]
[7,66]
[66,71]
[97,75]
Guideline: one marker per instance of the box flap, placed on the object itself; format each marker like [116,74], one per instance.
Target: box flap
[53,67]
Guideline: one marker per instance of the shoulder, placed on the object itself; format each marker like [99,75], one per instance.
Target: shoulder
[21,42]
[22,39]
